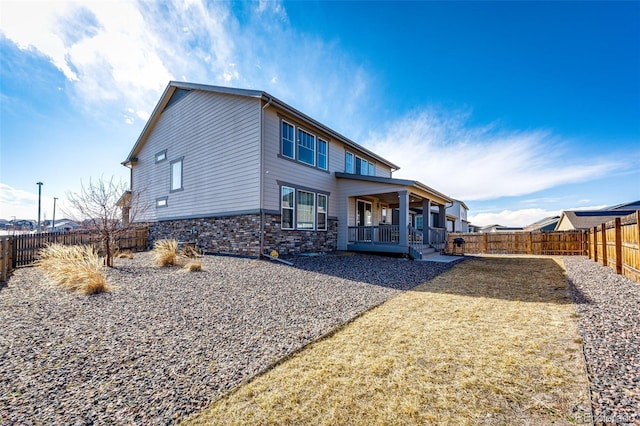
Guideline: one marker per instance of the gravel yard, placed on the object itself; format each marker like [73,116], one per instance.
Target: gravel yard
[608,306]
[166,342]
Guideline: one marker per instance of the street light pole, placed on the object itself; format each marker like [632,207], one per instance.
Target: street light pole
[53,222]
[39,199]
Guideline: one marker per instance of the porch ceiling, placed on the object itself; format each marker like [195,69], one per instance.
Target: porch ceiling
[391,198]
[417,190]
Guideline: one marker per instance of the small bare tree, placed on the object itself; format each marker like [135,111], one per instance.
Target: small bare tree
[108,208]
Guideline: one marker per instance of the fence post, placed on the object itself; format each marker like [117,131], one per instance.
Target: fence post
[618,226]
[637,256]
[485,243]
[605,256]
[530,243]
[595,243]
[4,265]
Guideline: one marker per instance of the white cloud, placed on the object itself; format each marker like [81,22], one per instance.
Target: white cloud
[479,163]
[120,55]
[520,217]
[23,204]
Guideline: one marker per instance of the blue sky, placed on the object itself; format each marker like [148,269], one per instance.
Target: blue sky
[521,109]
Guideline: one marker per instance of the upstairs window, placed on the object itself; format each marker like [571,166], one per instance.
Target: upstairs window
[348,163]
[306,147]
[322,154]
[161,156]
[176,175]
[302,146]
[288,145]
[362,166]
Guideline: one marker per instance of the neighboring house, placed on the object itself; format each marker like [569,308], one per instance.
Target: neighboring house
[246,174]
[65,225]
[544,225]
[499,228]
[585,219]
[474,228]
[457,217]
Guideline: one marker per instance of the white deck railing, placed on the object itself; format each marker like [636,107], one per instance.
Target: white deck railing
[382,234]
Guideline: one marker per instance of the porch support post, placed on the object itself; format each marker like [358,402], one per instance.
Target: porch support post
[426,221]
[442,217]
[403,200]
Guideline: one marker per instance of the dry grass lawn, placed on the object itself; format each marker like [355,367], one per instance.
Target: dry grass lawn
[492,341]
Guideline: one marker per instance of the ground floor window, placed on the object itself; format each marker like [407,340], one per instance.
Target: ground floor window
[287,207]
[322,212]
[306,210]
[303,209]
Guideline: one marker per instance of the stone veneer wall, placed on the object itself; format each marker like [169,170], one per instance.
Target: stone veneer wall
[240,235]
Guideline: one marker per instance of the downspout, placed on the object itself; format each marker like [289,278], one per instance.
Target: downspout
[262,215]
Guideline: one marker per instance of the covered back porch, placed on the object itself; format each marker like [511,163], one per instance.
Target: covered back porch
[391,216]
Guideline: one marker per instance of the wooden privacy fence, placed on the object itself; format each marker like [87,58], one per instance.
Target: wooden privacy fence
[616,244]
[565,243]
[22,250]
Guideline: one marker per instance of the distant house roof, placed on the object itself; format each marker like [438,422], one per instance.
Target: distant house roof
[585,219]
[499,228]
[181,88]
[546,224]
[634,205]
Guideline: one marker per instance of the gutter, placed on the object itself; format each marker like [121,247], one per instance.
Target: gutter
[261,180]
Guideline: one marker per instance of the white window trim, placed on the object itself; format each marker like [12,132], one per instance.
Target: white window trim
[295,145]
[316,195]
[181,162]
[313,213]
[293,209]
[315,147]
[326,155]
[326,212]
[353,164]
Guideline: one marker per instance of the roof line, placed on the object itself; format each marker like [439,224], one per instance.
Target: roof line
[247,93]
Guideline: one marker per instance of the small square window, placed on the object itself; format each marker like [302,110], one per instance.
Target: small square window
[162,202]
[161,156]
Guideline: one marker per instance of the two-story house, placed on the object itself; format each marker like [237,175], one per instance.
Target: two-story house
[245,173]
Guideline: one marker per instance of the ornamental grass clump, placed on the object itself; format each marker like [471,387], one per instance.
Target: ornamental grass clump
[166,252]
[127,254]
[75,268]
[193,266]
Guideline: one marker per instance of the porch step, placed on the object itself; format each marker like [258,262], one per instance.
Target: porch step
[427,252]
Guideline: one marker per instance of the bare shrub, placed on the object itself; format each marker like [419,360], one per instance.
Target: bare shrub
[75,268]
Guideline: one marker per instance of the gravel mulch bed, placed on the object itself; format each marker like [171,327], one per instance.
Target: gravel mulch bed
[166,342]
[608,306]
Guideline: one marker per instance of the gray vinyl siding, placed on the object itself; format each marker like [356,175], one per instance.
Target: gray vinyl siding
[218,138]
[278,169]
